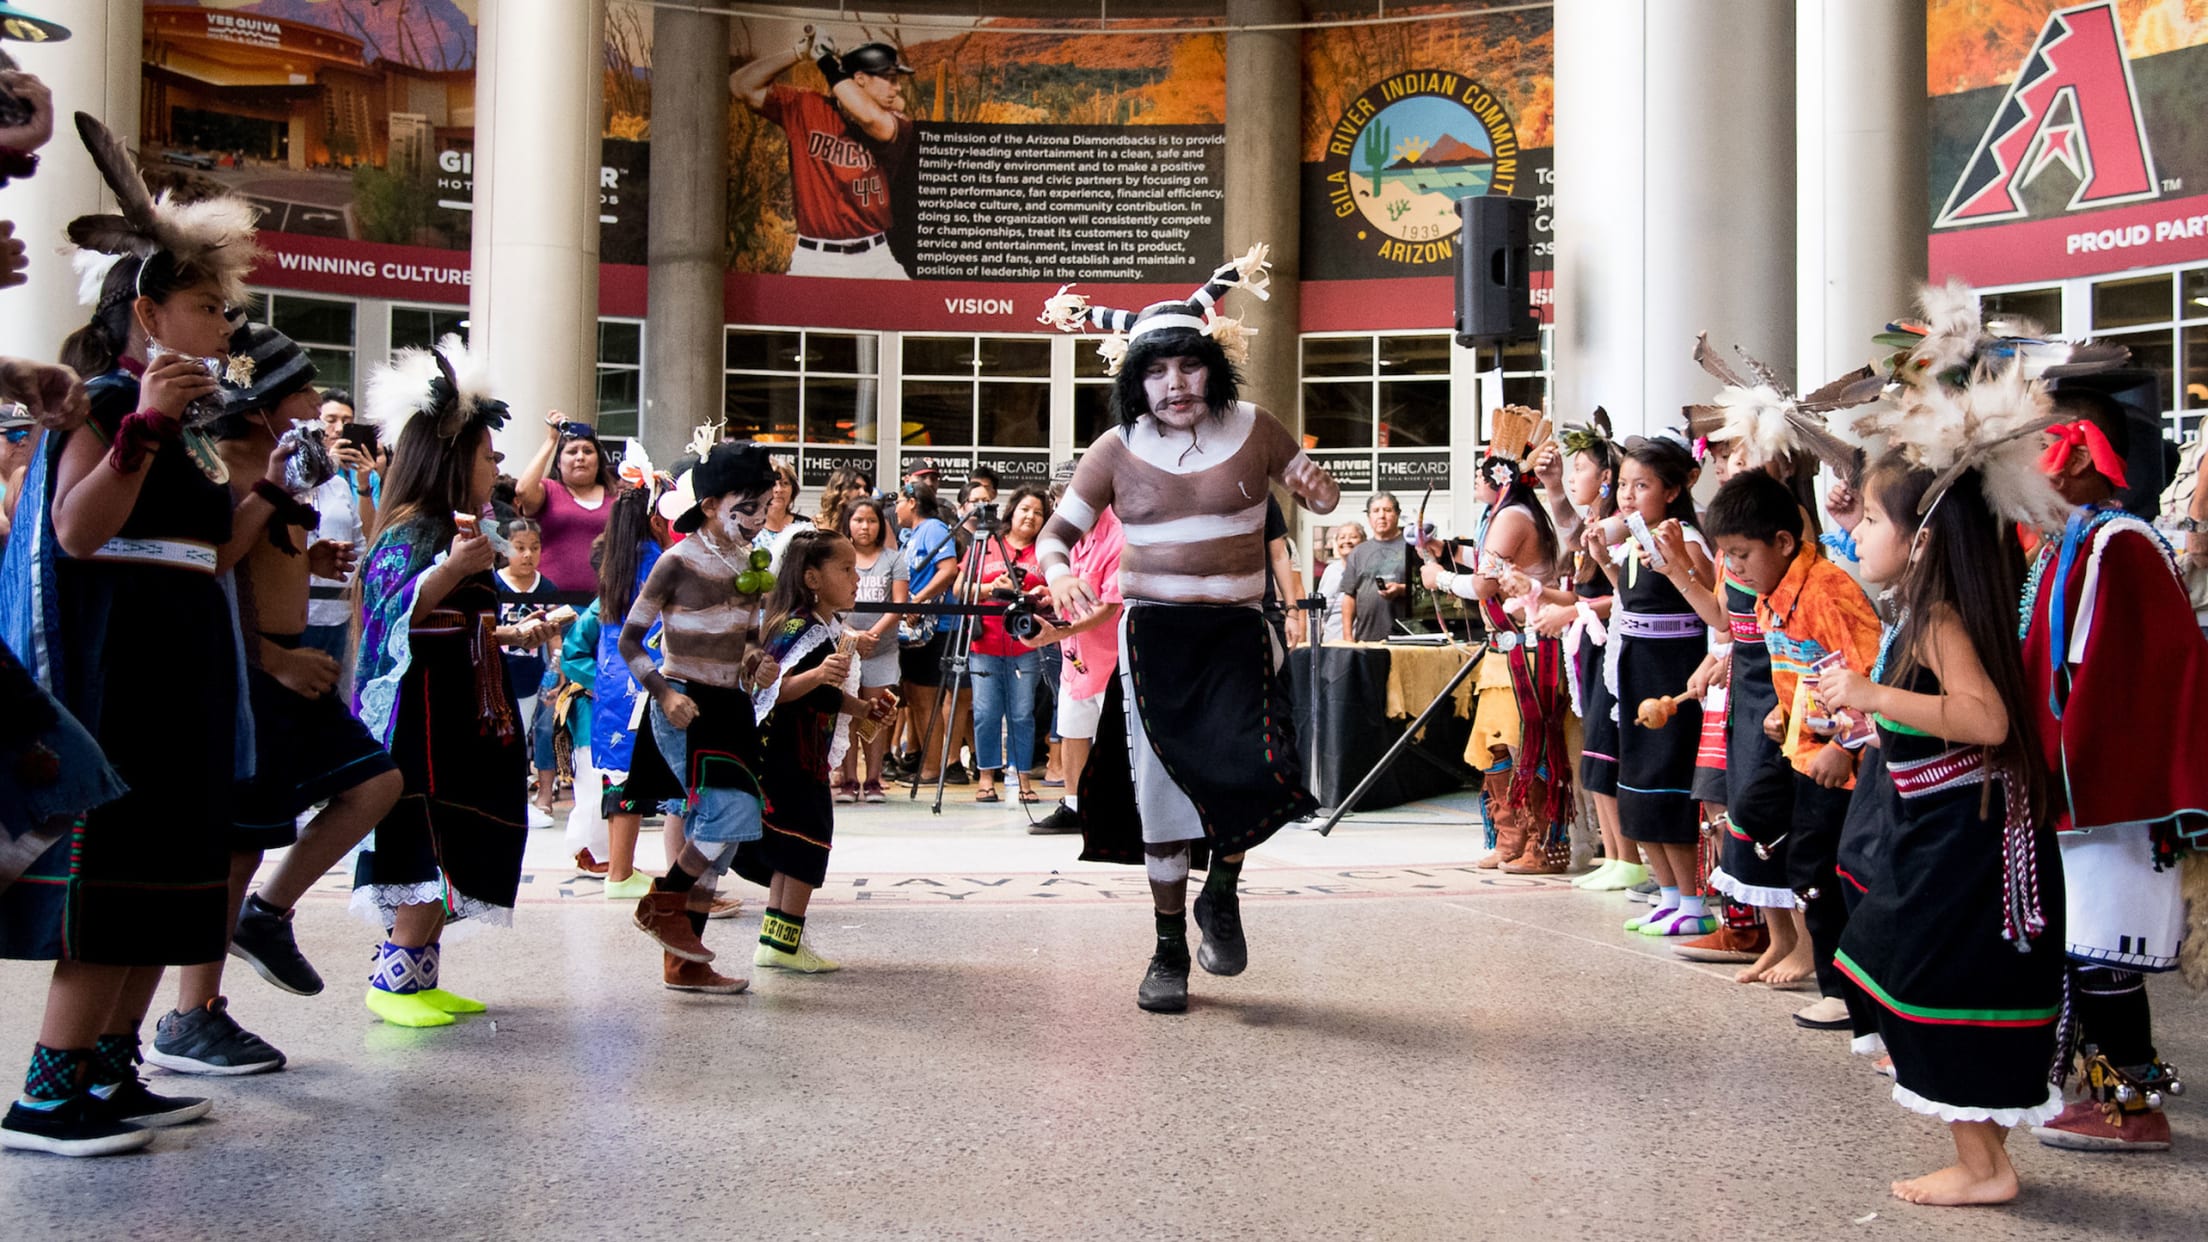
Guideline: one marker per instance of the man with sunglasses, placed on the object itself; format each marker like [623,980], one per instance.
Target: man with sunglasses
[15,456]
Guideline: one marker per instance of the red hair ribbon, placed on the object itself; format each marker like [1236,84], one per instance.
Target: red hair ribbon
[2070,437]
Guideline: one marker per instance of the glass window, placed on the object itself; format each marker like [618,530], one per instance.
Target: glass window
[324,331]
[1338,416]
[1414,413]
[2195,396]
[1092,412]
[763,407]
[1413,355]
[770,350]
[620,376]
[839,410]
[2041,306]
[2154,350]
[987,391]
[2130,302]
[421,327]
[790,386]
[1336,355]
[2193,298]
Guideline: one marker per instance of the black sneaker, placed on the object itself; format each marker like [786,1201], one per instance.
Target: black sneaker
[133,1104]
[209,1041]
[1061,820]
[1224,951]
[899,767]
[957,774]
[1165,984]
[78,1126]
[263,938]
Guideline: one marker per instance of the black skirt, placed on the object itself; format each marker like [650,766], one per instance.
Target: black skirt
[1598,758]
[1970,1021]
[1656,766]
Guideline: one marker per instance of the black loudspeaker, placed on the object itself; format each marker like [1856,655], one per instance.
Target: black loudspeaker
[1494,271]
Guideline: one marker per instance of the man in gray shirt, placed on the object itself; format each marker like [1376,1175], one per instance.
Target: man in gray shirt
[1376,578]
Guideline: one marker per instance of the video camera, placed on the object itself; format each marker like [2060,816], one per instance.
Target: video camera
[1023,613]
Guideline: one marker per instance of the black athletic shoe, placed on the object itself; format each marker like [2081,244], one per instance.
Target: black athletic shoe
[78,1126]
[264,940]
[209,1041]
[1224,951]
[1062,819]
[1165,984]
[958,774]
[131,1103]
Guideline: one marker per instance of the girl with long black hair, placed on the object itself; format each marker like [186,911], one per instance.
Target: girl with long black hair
[628,552]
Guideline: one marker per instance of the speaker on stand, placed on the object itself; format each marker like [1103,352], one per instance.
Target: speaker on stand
[1494,284]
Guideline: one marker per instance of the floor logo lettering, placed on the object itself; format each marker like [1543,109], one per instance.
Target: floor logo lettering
[2073,104]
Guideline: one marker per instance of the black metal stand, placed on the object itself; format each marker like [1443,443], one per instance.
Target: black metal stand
[956,654]
[1402,743]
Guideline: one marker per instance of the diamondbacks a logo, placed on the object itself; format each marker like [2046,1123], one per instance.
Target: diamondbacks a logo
[2073,104]
[1405,151]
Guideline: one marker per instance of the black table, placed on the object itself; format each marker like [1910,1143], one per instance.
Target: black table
[1355,730]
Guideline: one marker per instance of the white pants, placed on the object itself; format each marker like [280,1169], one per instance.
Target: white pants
[2121,912]
[873,263]
[586,826]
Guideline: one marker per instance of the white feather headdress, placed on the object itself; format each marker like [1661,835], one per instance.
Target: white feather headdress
[1763,411]
[1961,394]
[450,384]
[214,234]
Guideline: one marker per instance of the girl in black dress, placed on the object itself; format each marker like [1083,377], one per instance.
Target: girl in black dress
[1656,645]
[138,637]
[807,735]
[1964,987]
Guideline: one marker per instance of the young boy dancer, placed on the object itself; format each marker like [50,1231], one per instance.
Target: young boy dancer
[2116,665]
[1198,757]
[706,593]
[1809,610]
[310,747]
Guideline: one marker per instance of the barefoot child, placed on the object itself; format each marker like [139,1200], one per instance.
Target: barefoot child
[1807,609]
[815,695]
[1966,870]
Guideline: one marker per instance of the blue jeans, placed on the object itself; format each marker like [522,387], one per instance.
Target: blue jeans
[1004,695]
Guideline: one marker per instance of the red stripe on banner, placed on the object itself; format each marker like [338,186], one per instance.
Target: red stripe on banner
[2088,243]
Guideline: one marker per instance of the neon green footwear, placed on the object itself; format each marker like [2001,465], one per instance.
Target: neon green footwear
[1677,923]
[803,962]
[406,1009]
[447,1002]
[1598,875]
[1626,876]
[630,889]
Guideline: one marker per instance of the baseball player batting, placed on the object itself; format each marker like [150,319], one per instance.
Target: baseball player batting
[844,148]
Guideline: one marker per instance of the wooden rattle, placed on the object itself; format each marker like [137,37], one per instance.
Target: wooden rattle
[1657,713]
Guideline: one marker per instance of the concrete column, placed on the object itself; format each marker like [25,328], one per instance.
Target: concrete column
[534,305]
[95,70]
[1263,201]
[1675,197]
[688,228]
[1861,169]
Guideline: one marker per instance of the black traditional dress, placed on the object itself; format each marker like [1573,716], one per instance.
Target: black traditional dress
[1591,696]
[144,652]
[1970,1020]
[1656,644]
[1759,782]
[801,754]
[435,693]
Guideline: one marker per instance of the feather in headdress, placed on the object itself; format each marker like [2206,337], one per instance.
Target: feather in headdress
[215,235]
[1251,272]
[636,464]
[1963,396]
[1594,438]
[449,384]
[1761,410]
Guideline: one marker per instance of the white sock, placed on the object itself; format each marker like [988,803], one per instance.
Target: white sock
[1693,906]
[1667,898]
[1073,802]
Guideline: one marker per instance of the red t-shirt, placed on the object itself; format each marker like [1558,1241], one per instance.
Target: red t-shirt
[840,190]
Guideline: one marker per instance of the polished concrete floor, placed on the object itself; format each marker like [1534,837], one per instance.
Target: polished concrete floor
[1418,1050]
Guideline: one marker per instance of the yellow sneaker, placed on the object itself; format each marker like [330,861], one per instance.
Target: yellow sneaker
[803,962]
[406,1009]
[447,1002]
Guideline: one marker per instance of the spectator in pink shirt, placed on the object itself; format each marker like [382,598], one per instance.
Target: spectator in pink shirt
[1091,660]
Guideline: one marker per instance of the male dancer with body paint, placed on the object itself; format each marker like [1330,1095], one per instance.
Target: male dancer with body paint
[1195,759]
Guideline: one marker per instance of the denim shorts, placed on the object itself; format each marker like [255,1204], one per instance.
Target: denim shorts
[720,816]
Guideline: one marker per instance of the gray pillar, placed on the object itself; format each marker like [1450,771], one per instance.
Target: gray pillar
[95,70]
[688,228]
[1675,198]
[1263,201]
[533,309]
[1862,170]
